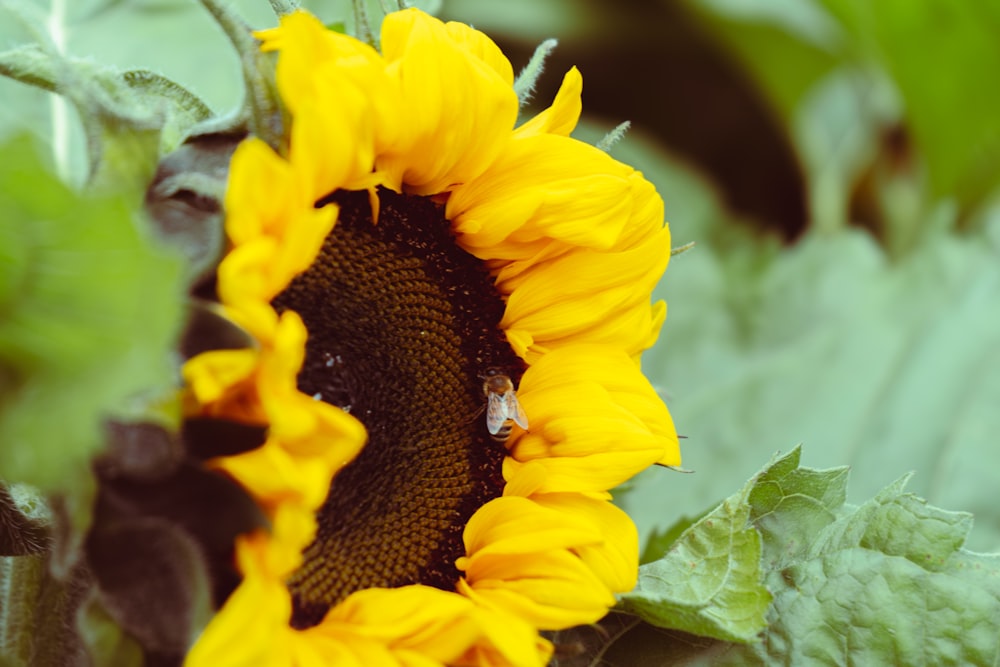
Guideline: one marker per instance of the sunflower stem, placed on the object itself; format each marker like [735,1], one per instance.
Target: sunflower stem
[614,136]
[260,108]
[59,105]
[284,7]
[26,521]
[37,612]
[48,30]
[524,86]
[390,6]
[361,23]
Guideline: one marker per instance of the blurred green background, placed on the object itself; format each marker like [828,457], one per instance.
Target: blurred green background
[836,163]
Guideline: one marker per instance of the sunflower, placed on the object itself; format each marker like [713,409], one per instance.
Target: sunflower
[405,241]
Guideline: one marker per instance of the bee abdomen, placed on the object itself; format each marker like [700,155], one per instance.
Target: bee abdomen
[504,432]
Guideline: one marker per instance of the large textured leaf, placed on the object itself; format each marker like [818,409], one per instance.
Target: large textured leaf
[709,581]
[887,582]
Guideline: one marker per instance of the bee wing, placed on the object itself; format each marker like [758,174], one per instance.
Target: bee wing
[515,411]
[496,412]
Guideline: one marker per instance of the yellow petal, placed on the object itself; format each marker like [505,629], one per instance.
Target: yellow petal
[459,111]
[521,558]
[591,471]
[588,296]
[542,187]
[209,374]
[245,283]
[309,649]
[563,115]
[272,223]
[513,525]
[321,71]
[641,264]
[647,212]
[333,138]
[261,187]
[420,625]
[552,590]
[633,330]
[306,426]
[273,476]
[417,618]
[308,52]
[595,420]
[615,560]
[507,640]
[483,48]
[252,626]
[340,97]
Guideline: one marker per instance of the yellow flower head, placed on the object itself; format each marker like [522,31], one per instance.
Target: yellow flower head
[407,240]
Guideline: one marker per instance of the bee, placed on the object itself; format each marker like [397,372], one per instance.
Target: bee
[502,408]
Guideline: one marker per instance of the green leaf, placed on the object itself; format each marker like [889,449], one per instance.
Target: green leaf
[838,124]
[886,582]
[659,541]
[90,313]
[940,54]
[923,62]
[709,582]
[786,45]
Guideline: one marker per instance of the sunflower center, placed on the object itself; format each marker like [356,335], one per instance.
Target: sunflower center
[402,325]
